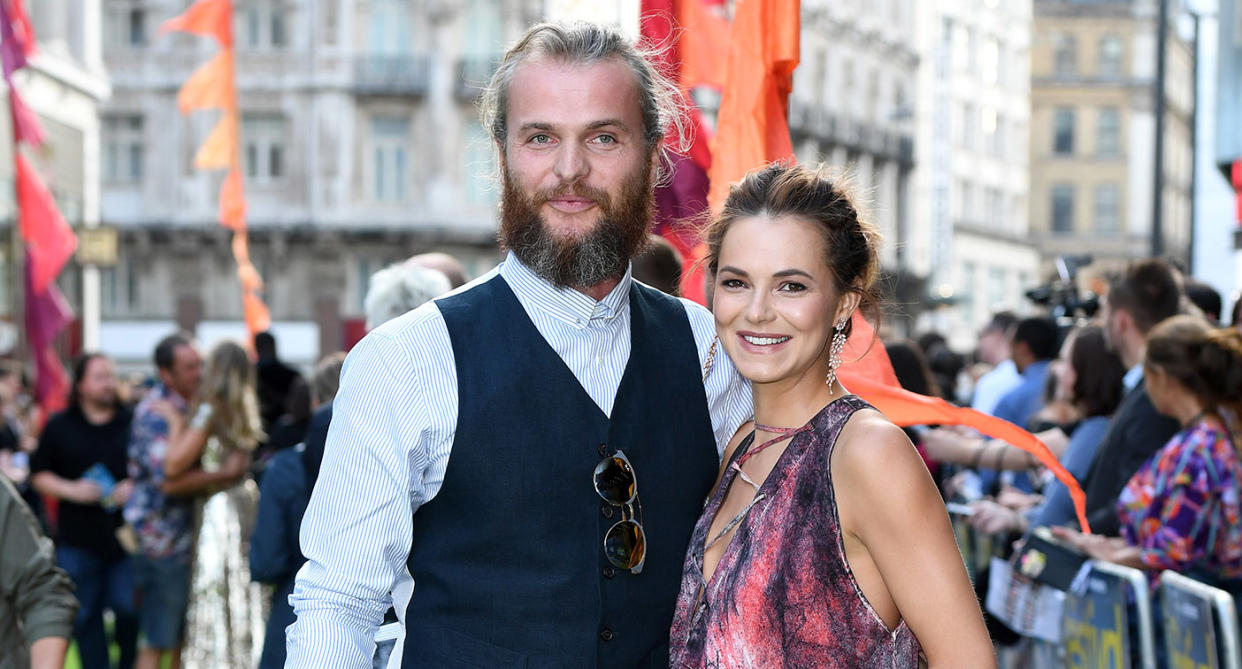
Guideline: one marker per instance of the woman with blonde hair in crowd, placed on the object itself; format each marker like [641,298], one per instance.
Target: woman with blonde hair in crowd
[224,625]
[1182,510]
[825,542]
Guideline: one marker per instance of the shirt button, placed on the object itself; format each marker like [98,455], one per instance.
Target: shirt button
[609,572]
[606,509]
[606,634]
[603,450]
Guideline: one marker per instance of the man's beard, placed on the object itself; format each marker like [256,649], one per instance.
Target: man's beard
[599,254]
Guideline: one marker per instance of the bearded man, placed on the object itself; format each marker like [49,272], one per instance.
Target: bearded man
[584,413]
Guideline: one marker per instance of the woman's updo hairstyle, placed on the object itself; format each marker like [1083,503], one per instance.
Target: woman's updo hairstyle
[1206,360]
[809,193]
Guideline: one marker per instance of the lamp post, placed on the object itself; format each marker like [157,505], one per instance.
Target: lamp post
[1157,193]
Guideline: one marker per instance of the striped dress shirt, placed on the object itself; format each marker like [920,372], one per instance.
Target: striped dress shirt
[392,430]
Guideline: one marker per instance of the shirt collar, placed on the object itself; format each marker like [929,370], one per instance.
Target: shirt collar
[1133,377]
[565,304]
[162,392]
[1035,368]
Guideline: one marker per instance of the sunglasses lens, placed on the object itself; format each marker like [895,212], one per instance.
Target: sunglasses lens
[625,545]
[614,480]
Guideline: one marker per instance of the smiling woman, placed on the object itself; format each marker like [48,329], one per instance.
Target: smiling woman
[825,542]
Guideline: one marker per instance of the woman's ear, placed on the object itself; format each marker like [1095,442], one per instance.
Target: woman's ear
[847,306]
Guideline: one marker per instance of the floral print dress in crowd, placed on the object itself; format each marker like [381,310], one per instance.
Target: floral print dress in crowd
[1183,508]
[783,594]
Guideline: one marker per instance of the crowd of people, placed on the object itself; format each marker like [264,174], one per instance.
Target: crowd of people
[171,503]
[1141,406]
[790,524]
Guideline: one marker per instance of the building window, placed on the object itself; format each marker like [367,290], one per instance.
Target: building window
[970,121]
[137,28]
[390,139]
[263,25]
[1108,136]
[391,28]
[118,287]
[993,206]
[1107,209]
[1110,57]
[989,61]
[997,285]
[966,294]
[1063,131]
[1065,54]
[263,139]
[123,149]
[124,27]
[1063,208]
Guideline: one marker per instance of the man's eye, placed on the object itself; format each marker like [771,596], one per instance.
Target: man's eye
[540,139]
[606,139]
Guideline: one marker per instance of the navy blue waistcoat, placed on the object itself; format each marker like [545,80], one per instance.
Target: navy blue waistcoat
[507,559]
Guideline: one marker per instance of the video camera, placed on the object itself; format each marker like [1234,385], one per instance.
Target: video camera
[1061,295]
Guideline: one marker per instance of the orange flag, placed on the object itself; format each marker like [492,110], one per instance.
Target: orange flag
[210,18]
[752,130]
[213,86]
[704,37]
[868,372]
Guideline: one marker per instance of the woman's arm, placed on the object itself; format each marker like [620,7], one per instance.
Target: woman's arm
[185,442]
[889,504]
[977,452]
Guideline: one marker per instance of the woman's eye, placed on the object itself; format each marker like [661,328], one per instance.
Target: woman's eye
[792,287]
[732,283]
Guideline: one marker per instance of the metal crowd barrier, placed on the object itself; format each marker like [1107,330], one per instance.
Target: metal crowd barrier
[1196,618]
[1096,623]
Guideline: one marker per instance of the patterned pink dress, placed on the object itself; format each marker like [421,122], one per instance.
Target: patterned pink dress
[783,594]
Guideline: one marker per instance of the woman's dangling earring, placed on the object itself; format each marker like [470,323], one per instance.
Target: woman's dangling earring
[834,353]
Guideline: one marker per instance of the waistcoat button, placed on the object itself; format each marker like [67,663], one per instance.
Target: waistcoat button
[606,509]
[606,634]
[609,572]
[603,450]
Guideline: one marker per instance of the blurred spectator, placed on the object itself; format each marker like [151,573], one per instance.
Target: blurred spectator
[219,439]
[1137,300]
[659,266]
[17,441]
[1182,510]
[161,508]
[275,379]
[1235,318]
[445,264]
[1205,298]
[36,598]
[275,555]
[914,375]
[1091,378]
[399,288]
[82,461]
[911,368]
[1033,345]
[291,427]
[994,350]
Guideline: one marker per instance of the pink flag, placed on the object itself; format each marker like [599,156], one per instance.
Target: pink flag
[50,240]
